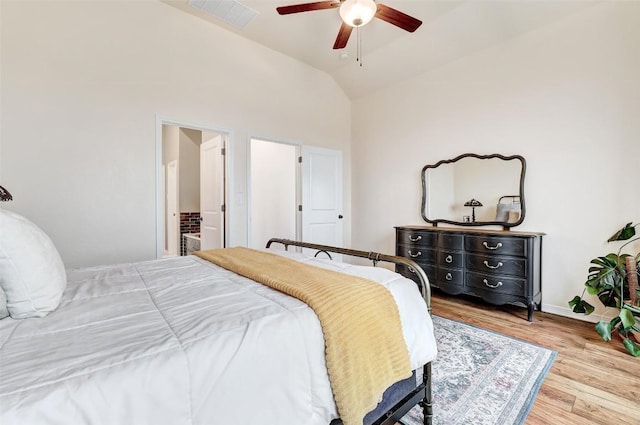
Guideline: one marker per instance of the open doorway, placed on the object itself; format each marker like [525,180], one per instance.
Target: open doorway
[192,189]
[273,191]
[295,192]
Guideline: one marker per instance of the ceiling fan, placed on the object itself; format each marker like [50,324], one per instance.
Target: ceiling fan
[354,14]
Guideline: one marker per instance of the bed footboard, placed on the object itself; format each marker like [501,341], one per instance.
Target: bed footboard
[422,393]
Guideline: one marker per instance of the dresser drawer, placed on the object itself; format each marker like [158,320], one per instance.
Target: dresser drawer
[451,241]
[416,253]
[450,259]
[416,237]
[450,276]
[496,264]
[496,283]
[496,245]
[406,271]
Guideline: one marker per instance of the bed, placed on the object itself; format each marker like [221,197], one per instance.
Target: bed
[184,341]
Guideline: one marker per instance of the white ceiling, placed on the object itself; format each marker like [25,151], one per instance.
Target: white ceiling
[451,29]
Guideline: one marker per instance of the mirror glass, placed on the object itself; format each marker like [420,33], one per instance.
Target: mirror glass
[474,190]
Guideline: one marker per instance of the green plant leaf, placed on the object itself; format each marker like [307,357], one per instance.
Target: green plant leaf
[606,278]
[593,291]
[627,232]
[588,308]
[578,305]
[631,347]
[608,298]
[604,330]
[627,318]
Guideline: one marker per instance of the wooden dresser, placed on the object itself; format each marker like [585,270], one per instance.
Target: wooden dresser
[498,266]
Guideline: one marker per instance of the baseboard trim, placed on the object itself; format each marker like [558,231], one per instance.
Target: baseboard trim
[566,312]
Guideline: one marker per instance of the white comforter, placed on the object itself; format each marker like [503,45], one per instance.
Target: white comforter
[180,341]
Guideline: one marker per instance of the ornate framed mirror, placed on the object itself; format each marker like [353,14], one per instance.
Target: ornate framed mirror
[474,190]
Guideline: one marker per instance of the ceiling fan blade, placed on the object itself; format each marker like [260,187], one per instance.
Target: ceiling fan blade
[307,7]
[343,36]
[397,18]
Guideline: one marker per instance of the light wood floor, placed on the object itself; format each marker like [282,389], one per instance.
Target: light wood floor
[591,381]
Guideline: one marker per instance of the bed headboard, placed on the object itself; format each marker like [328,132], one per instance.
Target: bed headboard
[375,257]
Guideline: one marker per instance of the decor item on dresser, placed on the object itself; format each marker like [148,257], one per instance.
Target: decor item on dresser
[614,279]
[496,265]
[448,185]
[508,208]
[473,203]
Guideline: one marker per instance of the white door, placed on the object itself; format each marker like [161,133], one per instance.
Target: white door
[322,196]
[172,219]
[212,193]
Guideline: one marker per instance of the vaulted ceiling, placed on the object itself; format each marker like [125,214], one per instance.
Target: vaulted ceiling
[451,29]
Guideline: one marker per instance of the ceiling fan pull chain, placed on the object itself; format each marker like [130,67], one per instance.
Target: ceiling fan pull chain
[359,47]
[357,44]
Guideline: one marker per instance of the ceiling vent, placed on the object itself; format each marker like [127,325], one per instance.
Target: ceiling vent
[230,11]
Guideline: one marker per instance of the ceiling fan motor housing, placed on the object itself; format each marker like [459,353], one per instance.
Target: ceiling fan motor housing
[357,13]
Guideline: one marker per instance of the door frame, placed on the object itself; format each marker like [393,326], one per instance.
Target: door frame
[228,176]
[172,223]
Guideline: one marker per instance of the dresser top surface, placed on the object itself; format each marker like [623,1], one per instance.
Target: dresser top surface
[470,230]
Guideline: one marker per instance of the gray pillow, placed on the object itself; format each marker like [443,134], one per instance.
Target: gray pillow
[509,213]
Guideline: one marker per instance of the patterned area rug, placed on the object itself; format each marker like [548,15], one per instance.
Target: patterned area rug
[481,377]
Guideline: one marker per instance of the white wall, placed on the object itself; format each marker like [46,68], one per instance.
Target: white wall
[566,97]
[83,83]
[189,167]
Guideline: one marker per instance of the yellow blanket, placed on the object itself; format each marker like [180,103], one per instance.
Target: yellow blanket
[364,347]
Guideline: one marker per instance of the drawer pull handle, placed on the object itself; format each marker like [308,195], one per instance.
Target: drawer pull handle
[412,255]
[416,239]
[489,266]
[448,276]
[412,270]
[496,246]
[497,285]
[448,259]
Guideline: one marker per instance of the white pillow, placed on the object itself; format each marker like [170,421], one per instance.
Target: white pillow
[3,305]
[32,274]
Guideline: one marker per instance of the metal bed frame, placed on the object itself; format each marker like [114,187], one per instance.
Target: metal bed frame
[422,393]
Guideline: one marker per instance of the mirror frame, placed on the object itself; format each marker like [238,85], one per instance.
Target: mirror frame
[504,224]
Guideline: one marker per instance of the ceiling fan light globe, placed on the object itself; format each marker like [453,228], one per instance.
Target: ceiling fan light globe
[357,13]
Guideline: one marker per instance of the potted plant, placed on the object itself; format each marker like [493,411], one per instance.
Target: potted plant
[614,279]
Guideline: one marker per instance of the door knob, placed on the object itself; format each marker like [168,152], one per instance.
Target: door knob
[340,216]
